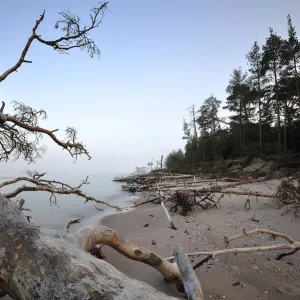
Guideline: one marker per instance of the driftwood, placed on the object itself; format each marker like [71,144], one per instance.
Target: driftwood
[192,287]
[292,245]
[185,195]
[37,263]
[168,216]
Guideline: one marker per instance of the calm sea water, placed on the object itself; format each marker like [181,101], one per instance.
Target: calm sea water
[101,187]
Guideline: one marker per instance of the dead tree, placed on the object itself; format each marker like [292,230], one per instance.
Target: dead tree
[75,35]
[44,264]
[20,133]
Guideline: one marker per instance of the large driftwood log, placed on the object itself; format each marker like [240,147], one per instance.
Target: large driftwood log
[36,263]
[191,283]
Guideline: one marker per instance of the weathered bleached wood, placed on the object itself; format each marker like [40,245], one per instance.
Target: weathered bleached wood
[168,216]
[263,231]
[192,287]
[244,250]
[293,245]
[37,263]
[91,236]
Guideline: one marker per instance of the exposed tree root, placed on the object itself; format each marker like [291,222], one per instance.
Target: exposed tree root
[91,236]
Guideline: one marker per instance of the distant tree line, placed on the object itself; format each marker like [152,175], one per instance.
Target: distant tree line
[263,103]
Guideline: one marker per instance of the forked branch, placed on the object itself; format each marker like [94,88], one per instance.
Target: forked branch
[75,35]
[52,186]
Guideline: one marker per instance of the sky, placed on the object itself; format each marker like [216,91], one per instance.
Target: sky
[158,57]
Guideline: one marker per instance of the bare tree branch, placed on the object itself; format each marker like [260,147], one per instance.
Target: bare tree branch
[52,186]
[20,135]
[25,50]
[2,107]
[75,36]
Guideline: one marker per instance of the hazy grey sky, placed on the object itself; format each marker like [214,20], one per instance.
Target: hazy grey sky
[158,57]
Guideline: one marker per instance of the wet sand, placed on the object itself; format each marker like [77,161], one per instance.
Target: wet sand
[242,276]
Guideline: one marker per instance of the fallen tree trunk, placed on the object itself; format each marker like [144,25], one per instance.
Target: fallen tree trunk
[37,263]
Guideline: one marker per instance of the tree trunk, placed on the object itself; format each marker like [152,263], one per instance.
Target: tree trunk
[296,75]
[241,129]
[277,105]
[259,114]
[46,264]
[285,129]
[260,129]
[203,149]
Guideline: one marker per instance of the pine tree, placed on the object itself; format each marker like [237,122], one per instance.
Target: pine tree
[271,62]
[186,130]
[240,102]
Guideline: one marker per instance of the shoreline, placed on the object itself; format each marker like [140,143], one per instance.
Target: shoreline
[227,277]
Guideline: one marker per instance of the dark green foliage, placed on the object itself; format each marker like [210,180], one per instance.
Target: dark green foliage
[263,105]
[175,161]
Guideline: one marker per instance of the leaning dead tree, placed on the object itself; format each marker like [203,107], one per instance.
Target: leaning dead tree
[21,134]
[42,264]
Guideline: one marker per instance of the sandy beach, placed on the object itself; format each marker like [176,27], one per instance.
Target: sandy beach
[242,276]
